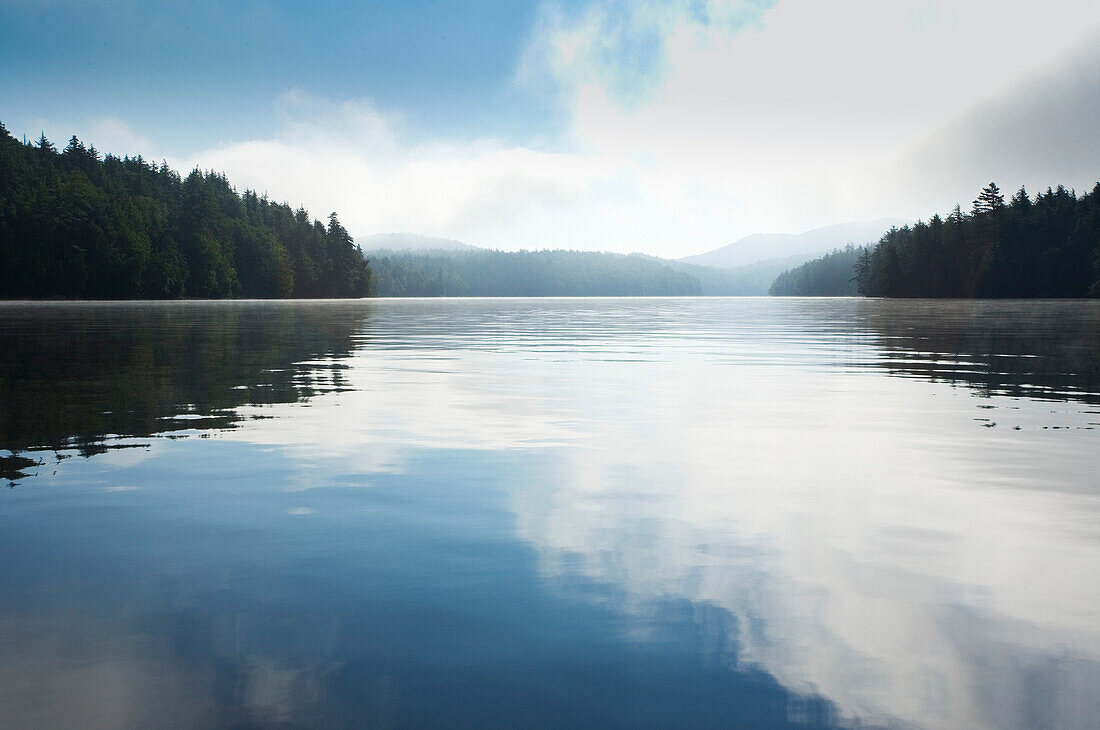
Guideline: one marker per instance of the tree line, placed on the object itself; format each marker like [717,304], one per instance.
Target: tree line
[485,273]
[832,275]
[80,225]
[1046,246]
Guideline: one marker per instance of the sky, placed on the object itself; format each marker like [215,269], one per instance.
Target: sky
[664,126]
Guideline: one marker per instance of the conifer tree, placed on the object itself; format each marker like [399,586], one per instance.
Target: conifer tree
[989,200]
[77,225]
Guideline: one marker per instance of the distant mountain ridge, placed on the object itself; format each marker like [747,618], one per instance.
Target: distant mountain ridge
[409,264]
[762,246]
[750,280]
[484,272]
[546,273]
[411,242]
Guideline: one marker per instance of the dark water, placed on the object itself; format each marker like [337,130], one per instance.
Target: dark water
[525,513]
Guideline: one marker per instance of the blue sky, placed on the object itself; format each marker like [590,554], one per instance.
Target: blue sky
[201,73]
[664,126]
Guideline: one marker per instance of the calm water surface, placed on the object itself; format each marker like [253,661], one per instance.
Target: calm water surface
[524,513]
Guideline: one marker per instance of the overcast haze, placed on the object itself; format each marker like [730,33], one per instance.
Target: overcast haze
[668,127]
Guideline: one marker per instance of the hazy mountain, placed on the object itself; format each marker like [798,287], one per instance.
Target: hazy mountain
[482,272]
[410,264]
[764,246]
[740,281]
[547,273]
[410,242]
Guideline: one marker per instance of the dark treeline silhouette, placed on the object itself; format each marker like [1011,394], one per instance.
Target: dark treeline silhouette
[1046,246]
[832,275]
[525,273]
[75,224]
[75,378]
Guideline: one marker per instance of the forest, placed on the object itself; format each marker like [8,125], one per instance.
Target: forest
[485,273]
[832,275]
[481,272]
[76,224]
[1046,246]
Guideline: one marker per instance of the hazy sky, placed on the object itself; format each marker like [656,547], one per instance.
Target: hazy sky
[667,126]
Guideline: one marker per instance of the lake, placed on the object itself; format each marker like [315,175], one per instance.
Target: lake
[550,512]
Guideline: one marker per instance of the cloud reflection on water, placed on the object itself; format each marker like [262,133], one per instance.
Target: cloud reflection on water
[864,538]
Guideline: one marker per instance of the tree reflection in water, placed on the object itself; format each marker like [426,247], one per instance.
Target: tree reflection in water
[1016,348]
[81,377]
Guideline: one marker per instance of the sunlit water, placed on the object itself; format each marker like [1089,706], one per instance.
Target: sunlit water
[523,513]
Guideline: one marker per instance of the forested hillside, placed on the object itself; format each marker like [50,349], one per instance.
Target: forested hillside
[832,275]
[750,280]
[808,244]
[75,224]
[1046,246]
[484,273]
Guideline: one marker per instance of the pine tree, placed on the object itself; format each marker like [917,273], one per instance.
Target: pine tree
[45,145]
[989,200]
[1021,201]
[956,216]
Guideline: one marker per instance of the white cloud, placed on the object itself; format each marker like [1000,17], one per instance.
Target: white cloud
[883,565]
[349,157]
[694,123]
[787,116]
[116,137]
[107,134]
[1040,133]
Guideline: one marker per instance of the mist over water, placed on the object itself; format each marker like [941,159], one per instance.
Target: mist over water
[589,512]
